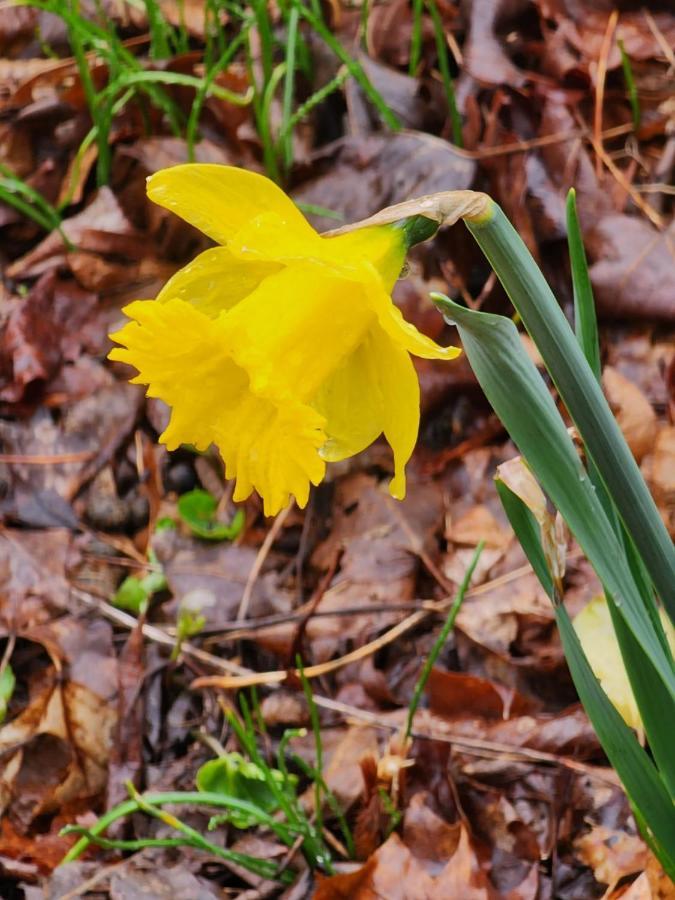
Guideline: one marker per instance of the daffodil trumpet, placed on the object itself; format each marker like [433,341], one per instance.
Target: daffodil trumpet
[282,346]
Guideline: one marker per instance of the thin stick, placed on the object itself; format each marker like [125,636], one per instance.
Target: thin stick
[158,635]
[601,75]
[439,643]
[654,217]
[660,38]
[265,548]
[56,459]
[230,682]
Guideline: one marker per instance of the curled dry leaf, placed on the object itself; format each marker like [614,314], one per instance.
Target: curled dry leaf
[633,412]
[56,751]
[612,854]
[660,473]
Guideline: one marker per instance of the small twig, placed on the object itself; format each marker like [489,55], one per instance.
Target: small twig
[55,459]
[231,682]
[660,38]
[601,76]
[95,879]
[158,635]
[265,548]
[642,204]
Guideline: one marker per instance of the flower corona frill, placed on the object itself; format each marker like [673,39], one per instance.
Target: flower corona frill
[280,346]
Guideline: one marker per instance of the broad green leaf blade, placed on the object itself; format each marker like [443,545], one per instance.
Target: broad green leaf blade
[643,785]
[651,697]
[581,394]
[520,398]
[526,530]
[585,322]
[645,788]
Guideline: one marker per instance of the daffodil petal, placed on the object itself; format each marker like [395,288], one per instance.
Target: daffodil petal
[400,400]
[216,280]
[268,237]
[380,248]
[179,356]
[292,331]
[401,331]
[274,449]
[220,200]
[351,402]
[182,356]
[383,246]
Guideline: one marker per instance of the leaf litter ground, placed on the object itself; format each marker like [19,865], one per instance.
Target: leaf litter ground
[509,794]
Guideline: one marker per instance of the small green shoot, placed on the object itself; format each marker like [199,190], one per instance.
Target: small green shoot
[7,685]
[189,623]
[631,87]
[135,594]
[416,38]
[439,643]
[29,202]
[444,66]
[235,776]
[318,745]
[198,510]
[313,209]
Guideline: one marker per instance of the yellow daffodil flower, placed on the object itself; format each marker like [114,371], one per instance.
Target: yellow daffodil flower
[281,346]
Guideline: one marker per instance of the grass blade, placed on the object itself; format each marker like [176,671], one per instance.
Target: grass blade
[439,643]
[444,66]
[354,68]
[631,87]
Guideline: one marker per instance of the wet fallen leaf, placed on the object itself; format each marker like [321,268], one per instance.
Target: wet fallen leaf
[32,571]
[51,325]
[84,438]
[367,174]
[633,268]
[395,873]
[343,772]
[456,694]
[612,854]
